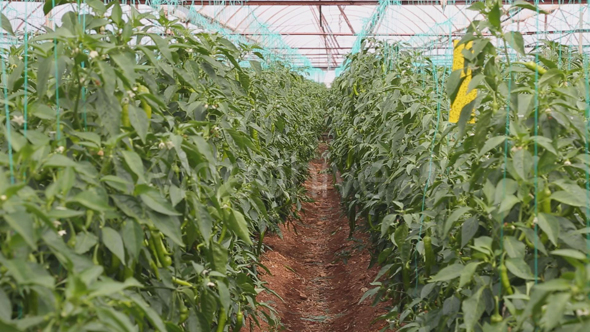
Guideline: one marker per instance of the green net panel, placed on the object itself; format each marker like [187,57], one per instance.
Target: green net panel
[28,17]
[430,29]
[283,32]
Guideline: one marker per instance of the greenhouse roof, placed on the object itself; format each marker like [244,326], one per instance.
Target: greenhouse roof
[319,34]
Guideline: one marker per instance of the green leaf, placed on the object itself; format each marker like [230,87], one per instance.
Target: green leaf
[224,294]
[475,82]
[139,121]
[88,136]
[27,273]
[513,247]
[527,5]
[550,225]
[6,25]
[109,287]
[118,183]
[154,200]
[238,225]
[97,5]
[109,79]
[18,326]
[473,308]
[369,293]
[241,140]
[162,45]
[43,73]
[569,198]
[168,225]
[545,142]
[522,160]
[117,321]
[15,76]
[245,80]
[477,6]
[466,115]
[85,241]
[515,40]
[551,77]
[508,203]
[177,141]
[534,238]
[519,268]
[133,235]
[133,160]
[458,213]
[448,273]
[50,4]
[494,16]
[24,225]
[256,65]
[127,66]
[39,110]
[453,84]
[571,253]
[483,244]
[114,242]
[468,230]
[400,236]
[5,307]
[556,304]
[218,257]
[150,313]
[117,13]
[554,285]
[58,160]
[491,144]
[60,33]
[129,205]
[467,273]
[92,200]
[176,195]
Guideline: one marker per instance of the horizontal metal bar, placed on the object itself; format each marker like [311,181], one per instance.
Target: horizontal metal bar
[314,54]
[312,48]
[348,34]
[354,2]
[323,67]
[326,2]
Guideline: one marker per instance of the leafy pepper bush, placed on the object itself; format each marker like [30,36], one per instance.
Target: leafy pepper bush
[147,159]
[478,226]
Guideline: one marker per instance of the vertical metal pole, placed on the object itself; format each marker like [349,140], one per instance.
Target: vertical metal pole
[580,36]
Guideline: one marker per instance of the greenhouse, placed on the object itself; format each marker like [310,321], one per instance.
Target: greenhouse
[295,165]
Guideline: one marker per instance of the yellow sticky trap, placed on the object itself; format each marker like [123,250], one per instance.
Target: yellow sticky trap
[463,98]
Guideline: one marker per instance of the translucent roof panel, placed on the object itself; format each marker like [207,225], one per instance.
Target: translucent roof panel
[325,34]
[319,33]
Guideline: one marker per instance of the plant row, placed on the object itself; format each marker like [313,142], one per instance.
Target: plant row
[137,162]
[478,226]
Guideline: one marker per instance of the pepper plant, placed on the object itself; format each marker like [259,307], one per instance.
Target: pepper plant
[137,161]
[479,227]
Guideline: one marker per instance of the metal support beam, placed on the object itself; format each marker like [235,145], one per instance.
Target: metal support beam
[186,12]
[326,2]
[326,29]
[341,8]
[325,34]
[346,34]
[346,2]
[318,54]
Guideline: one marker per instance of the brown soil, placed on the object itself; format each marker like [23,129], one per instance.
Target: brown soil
[317,270]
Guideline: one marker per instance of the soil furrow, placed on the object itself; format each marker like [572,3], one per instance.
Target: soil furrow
[316,269]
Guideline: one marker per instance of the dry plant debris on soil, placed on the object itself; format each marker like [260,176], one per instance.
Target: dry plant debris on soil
[316,269]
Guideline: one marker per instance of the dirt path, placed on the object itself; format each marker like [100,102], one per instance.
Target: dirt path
[318,272]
